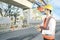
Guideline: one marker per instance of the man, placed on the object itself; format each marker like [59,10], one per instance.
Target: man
[49,23]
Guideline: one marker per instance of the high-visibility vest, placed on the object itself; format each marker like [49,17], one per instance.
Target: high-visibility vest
[45,25]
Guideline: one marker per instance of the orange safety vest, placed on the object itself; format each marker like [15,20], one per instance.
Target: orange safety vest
[45,25]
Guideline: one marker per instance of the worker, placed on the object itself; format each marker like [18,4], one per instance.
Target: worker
[49,24]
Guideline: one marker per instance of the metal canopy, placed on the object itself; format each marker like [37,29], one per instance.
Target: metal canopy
[15,4]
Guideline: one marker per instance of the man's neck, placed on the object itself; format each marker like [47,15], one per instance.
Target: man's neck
[48,15]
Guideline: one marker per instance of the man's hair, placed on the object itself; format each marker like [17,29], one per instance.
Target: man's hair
[50,11]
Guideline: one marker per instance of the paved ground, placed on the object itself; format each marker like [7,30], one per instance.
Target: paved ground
[26,34]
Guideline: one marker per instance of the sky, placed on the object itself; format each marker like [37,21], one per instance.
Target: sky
[56,8]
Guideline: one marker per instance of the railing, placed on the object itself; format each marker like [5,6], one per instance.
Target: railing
[4,27]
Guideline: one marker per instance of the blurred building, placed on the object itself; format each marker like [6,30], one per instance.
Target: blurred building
[27,16]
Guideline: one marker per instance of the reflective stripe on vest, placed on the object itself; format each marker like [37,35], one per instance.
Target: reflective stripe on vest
[48,37]
[45,21]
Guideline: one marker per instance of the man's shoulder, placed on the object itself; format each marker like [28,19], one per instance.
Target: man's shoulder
[52,19]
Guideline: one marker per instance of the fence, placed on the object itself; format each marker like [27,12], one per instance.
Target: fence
[4,24]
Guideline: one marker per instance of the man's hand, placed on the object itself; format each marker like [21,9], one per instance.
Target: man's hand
[38,28]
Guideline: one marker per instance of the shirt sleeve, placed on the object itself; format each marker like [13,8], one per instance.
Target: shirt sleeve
[51,25]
